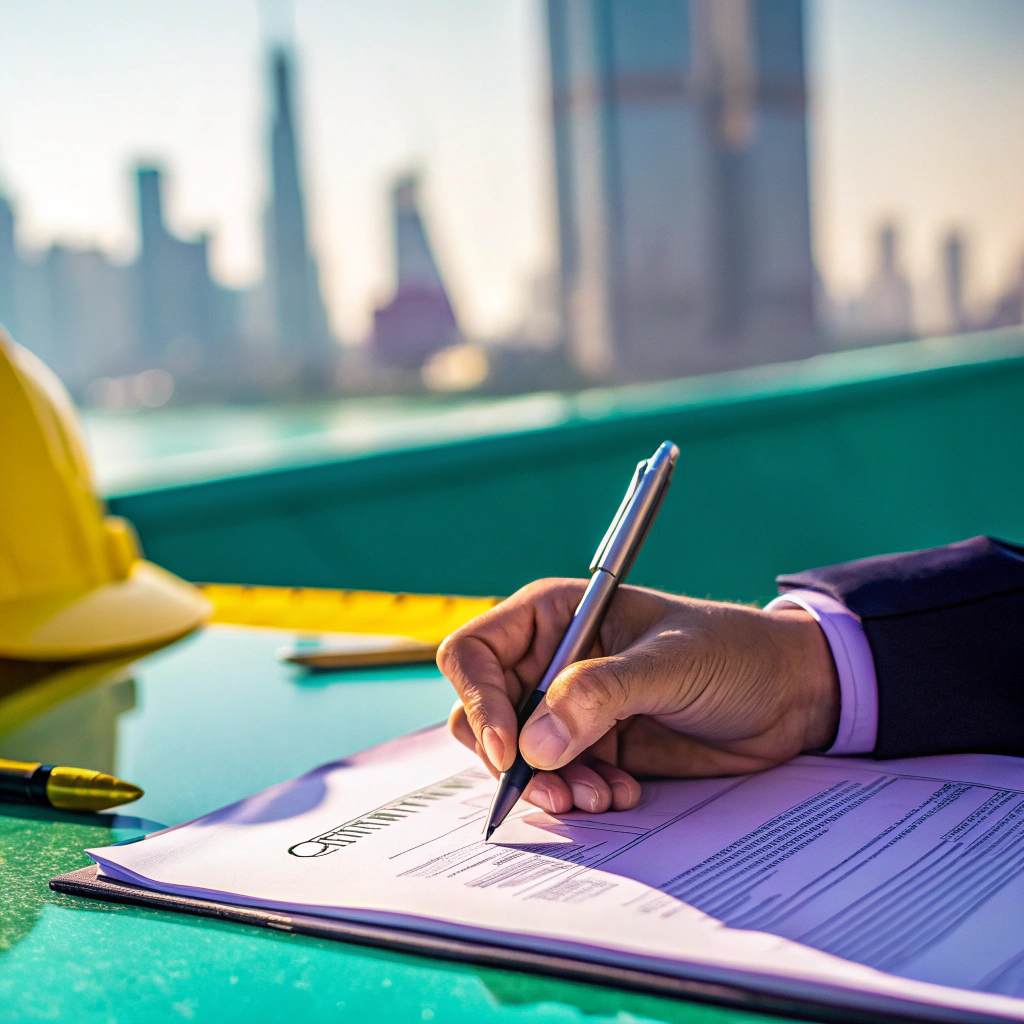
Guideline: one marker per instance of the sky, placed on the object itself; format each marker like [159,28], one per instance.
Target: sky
[917,115]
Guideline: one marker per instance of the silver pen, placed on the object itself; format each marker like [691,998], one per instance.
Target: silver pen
[614,558]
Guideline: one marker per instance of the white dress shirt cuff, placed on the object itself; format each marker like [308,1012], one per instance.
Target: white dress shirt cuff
[855,665]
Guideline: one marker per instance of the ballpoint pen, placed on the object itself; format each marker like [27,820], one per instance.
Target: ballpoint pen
[614,558]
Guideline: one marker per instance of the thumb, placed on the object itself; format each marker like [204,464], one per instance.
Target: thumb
[581,705]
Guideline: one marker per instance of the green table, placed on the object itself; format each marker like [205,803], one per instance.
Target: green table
[198,725]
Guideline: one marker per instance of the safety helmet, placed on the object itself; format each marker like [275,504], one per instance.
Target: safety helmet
[72,581]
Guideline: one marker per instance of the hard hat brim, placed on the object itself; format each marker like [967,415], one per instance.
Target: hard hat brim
[150,607]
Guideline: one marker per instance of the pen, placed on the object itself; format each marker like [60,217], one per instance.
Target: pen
[67,789]
[359,652]
[614,558]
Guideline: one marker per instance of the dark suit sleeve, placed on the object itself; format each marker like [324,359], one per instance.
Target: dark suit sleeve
[946,628]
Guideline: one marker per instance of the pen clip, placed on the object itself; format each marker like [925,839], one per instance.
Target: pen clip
[634,484]
[648,523]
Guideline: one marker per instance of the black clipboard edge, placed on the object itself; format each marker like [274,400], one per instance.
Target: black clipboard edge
[86,883]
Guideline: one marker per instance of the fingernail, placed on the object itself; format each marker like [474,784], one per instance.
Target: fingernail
[543,741]
[584,796]
[540,795]
[494,747]
[620,795]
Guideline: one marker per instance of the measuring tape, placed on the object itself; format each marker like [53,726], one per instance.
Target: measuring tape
[427,617]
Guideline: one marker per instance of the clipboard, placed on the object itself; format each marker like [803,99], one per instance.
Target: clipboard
[86,882]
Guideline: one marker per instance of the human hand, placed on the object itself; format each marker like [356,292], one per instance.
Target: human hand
[673,687]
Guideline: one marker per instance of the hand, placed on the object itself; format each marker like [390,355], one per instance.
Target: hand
[673,687]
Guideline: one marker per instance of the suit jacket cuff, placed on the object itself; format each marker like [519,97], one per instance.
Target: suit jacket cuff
[855,665]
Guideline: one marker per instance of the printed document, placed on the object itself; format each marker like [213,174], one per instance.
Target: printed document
[866,883]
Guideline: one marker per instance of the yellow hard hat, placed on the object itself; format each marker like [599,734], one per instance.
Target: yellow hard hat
[72,582]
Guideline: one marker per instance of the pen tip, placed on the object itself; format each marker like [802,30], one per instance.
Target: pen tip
[489,831]
[79,789]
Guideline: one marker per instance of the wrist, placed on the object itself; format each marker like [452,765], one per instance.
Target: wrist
[811,673]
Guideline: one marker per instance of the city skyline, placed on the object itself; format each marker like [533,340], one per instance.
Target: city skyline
[488,250]
[107,328]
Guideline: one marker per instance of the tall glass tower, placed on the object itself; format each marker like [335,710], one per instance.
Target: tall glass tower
[296,305]
[682,183]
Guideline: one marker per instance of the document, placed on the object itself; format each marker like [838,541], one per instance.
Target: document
[864,883]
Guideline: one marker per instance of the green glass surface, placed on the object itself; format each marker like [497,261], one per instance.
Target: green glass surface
[200,724]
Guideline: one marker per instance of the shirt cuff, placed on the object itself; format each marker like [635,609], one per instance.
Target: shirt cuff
[855,665]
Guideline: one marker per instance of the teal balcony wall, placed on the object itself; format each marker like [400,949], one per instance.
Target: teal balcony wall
[781,468]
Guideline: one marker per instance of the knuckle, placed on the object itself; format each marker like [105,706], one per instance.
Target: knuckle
[568,589]
[596,688]
[482,707]
[447,652]
[454,656]
[474,704]
[550,587]
[532,587]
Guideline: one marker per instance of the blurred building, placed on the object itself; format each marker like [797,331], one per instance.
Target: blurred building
[893,307]
[296,306]
[885,311]
[180,305]
[954,254]
[90,318]
[418,320]
[73,307]
[1008,309]
[88,322]
[95,321]
[682,182]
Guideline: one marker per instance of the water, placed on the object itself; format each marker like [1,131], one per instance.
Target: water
[136,450]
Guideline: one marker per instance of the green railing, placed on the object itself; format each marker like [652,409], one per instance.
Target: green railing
[781,468]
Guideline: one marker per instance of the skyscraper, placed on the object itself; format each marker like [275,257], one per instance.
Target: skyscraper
[297,308]
[419,318]
[682,183]
[73,307]
[954,250]
[89,318]
[885,312]
[177,297]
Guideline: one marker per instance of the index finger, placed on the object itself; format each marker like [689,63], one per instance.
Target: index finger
[499,656]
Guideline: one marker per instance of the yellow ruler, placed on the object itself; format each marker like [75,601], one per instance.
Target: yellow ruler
[427,617]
